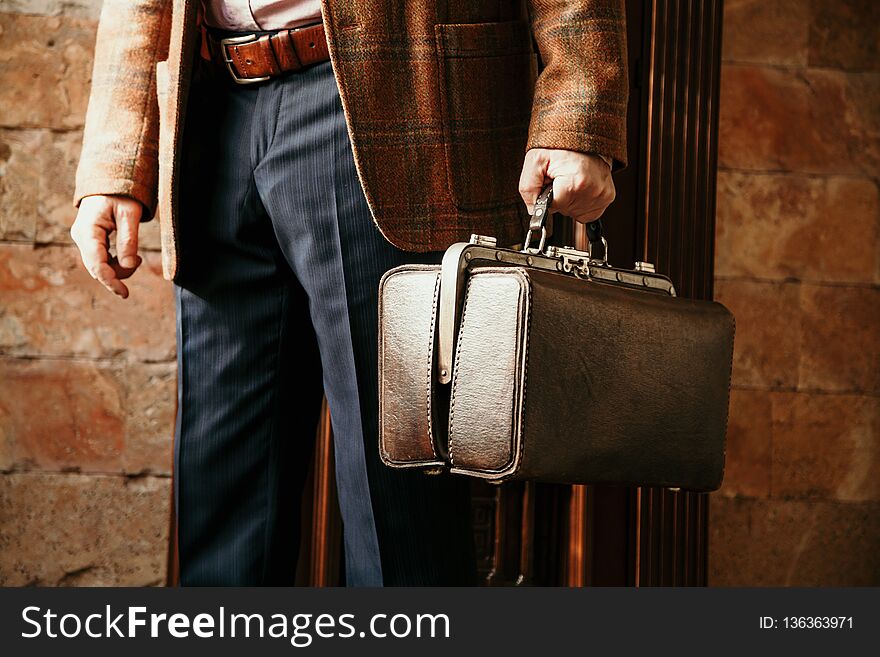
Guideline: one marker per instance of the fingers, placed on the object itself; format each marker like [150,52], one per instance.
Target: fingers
[125,272]
[91,233]
[96,258]
[105,274]
[128,217]
[581,197]
[534,176]
[582,183]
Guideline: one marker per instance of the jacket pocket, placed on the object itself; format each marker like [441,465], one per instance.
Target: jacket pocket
[486,74]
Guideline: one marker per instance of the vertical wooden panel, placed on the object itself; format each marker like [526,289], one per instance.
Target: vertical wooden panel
[324,542]
[681,127]
[665,214]
[483,510]
[508,535]
[579,557]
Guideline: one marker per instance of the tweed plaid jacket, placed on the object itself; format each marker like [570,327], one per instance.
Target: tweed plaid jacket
[442,99]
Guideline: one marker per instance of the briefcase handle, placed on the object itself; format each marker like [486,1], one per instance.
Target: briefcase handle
[538,224]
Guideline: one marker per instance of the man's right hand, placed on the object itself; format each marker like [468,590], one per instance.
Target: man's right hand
[99,216]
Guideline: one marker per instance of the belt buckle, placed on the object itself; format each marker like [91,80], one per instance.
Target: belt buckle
[246,38]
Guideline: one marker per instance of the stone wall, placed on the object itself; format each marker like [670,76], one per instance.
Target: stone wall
[86,379]
[798,262]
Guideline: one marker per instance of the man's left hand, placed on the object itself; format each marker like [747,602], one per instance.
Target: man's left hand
[582,184]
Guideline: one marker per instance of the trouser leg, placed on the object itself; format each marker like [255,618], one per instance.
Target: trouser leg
[401,527]
[249,377]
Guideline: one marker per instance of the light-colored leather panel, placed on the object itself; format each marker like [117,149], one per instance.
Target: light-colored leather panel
[488,372]
[408,298]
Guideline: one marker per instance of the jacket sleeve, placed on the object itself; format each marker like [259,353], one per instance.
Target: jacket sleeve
[121,134]
[582,91]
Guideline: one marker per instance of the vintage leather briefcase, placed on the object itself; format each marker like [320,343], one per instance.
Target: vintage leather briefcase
[547,364]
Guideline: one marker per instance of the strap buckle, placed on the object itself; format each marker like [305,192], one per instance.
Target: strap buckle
[246,38]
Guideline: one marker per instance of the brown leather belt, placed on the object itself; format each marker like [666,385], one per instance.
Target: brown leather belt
[258,57]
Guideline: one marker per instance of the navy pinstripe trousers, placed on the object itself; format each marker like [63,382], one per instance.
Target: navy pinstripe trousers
[276,301]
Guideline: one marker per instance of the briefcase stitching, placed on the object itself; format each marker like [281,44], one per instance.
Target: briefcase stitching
[464,310]
[520,458]
[429,377]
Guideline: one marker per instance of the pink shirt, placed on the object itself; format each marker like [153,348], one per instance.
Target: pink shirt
[241,15]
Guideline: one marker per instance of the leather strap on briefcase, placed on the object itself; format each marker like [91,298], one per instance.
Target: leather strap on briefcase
[548,364]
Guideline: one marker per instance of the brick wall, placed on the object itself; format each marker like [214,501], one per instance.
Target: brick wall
[86,379]
[798,262]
